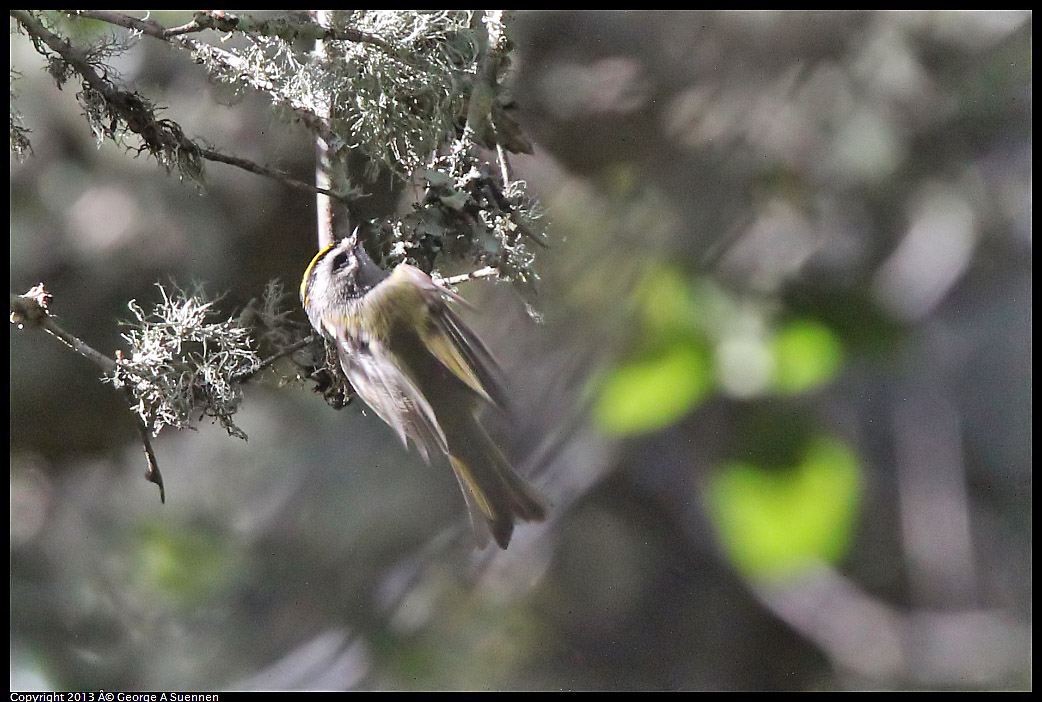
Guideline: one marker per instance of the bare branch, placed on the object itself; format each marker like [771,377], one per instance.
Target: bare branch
[30,310]
[504,164]
[152,473]
[253,167]
[281,353]
[145,26]
[323,157]
[487,272]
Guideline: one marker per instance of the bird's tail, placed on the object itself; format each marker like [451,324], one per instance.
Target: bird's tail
[496,496]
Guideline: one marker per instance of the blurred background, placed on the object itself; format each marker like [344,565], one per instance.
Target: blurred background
[780,397]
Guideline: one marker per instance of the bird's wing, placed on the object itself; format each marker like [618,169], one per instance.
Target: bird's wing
[453,343]
[390,393]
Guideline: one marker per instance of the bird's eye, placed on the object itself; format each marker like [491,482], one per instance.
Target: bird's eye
[340,260]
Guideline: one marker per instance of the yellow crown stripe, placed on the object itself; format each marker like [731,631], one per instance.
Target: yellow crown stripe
[307,272]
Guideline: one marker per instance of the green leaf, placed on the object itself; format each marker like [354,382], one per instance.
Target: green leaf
[668,302]
[806,354]
[774,524]
[654,391]
[185,565]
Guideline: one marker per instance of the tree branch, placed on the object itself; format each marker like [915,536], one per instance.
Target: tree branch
[253,167]
[504,164]
[160,136]
[281,353]
[487,272]
[323,155]
[30,310]
[226,22]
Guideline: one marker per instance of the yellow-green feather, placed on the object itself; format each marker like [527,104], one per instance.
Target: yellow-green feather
[449,354]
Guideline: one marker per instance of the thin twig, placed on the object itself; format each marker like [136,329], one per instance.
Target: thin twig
[487,272]
[30,310]
[253,167]
[504,164]
[281,353]
[152,474]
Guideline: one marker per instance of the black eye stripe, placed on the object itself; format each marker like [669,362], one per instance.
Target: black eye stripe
[340,260]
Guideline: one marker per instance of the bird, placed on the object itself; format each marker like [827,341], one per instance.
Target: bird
[418,366]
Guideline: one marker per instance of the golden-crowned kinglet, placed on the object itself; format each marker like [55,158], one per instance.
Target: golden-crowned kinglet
[419,367]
